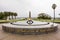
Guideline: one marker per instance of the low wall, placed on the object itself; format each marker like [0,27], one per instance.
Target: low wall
[29,30]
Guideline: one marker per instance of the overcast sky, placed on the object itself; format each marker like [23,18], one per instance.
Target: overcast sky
[22,7]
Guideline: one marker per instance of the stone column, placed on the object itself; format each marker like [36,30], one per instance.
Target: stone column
[29,14]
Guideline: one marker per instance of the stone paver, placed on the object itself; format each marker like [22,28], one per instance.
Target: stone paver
[9,36]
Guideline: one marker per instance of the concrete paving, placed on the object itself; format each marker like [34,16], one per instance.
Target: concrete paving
[10,36]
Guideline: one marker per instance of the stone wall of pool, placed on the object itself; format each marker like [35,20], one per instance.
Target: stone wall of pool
[29,30]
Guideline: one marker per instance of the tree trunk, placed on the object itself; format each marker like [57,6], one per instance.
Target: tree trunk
[9,17]
[6,17]
[12,17]
[15,17]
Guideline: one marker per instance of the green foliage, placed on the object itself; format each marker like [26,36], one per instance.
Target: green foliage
[43,16]
[5,15]
[15,14]
[54,6]
[1,15]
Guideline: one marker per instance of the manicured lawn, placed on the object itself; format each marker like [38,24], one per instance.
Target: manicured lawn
[43,20]
[6,21]
[47,20]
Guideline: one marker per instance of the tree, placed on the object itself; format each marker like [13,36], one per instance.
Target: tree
[44,16]
[54,7]
[15,14]
[11,13]
[1,15]
[6,15]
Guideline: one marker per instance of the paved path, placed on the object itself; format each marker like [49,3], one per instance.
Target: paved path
[9,36]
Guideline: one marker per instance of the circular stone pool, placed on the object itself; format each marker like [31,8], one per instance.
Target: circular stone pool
[37,27]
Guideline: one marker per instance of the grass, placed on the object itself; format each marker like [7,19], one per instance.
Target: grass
[6,21]
[43,20]
[47,20]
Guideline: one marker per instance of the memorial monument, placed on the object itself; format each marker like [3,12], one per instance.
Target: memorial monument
[30,27]
[29,19]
